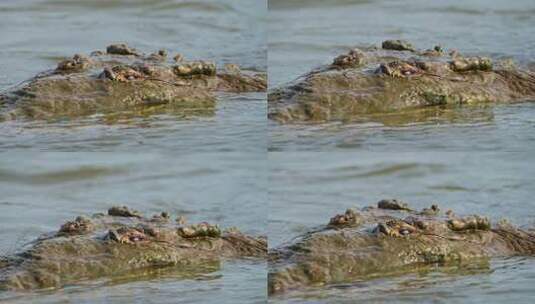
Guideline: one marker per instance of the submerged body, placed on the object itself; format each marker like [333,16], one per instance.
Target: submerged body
[121,242]
[396,77]
[390,239]
[123,78]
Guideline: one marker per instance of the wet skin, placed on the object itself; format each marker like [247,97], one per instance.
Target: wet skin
[388,239]
[123,78]
[119,243]
[397,77]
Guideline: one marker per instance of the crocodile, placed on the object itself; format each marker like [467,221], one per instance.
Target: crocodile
[397,77]
[390,239]
[123,78]
[121,242]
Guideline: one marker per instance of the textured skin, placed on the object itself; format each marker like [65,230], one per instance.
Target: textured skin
[370,81]
[122,80]
[109,245]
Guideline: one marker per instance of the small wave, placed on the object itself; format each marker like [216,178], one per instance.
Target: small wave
[97,4]
[460,10]
[449,188]
[516,12]
[382,170]
[200,6]
[58,177]
[477,12]
[399,168]
[293,4]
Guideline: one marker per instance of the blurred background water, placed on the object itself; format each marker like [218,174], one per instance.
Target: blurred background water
[304,34]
